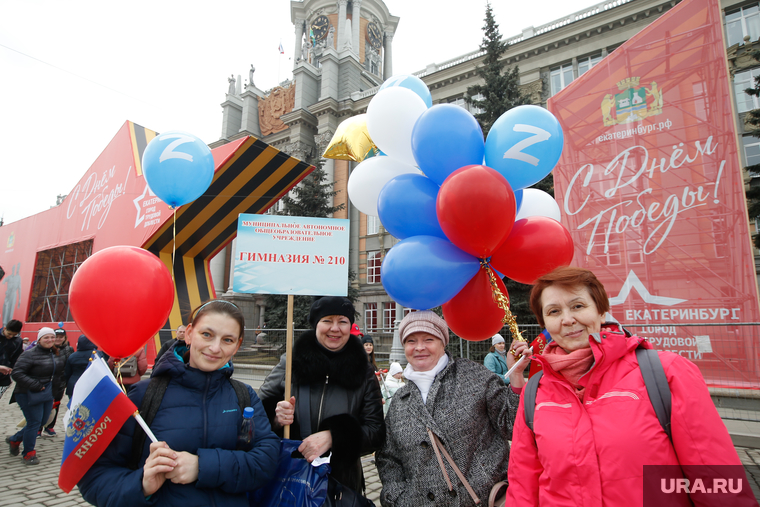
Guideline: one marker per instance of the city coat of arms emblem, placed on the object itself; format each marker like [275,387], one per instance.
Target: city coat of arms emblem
[632,103]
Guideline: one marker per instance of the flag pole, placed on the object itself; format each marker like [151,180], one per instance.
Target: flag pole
[288,358]
[136,414]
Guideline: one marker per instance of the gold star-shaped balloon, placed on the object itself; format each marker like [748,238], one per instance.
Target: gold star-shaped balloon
[351,141]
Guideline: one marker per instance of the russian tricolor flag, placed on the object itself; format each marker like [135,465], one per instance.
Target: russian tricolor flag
[97,411]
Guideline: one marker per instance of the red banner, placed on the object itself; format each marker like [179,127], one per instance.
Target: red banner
[650,185]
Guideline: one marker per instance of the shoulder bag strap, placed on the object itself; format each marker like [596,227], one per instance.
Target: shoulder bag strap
[529,398]
[657,386]
[154,394]
[438,445]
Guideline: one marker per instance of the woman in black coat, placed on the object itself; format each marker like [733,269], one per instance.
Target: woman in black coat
[77,363]
[336,404]
[38,375]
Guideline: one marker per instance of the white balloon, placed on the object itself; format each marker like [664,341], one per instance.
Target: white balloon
[369,178]
[537,203]
[391,116]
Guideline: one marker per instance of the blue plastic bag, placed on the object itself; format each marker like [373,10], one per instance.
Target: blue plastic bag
[296,482]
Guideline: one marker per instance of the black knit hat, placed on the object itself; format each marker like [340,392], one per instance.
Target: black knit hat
[368,339]
[331,305]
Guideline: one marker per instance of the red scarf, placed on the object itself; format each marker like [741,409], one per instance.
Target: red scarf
[572,366]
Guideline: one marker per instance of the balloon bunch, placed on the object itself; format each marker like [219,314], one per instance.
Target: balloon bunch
[460,205]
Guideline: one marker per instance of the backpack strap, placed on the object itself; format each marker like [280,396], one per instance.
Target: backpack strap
[529,398]
[657,386]
[154,394]
[241,390]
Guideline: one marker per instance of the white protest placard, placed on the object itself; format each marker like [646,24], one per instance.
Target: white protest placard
[291,255]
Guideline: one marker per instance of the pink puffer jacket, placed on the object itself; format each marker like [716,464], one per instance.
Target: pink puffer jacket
[592,453]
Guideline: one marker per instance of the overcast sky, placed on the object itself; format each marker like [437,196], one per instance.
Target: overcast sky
[72,72]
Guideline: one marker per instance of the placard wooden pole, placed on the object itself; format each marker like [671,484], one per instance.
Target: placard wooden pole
[288,358]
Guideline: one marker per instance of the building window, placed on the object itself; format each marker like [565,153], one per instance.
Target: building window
[743,22]
[585,64]
[561,77]
[373,266]
[635,252]
[751,151]
[474,109]
[373,225]
[52,277]
[370,317]
[742,81]
[608,255]
[389,316]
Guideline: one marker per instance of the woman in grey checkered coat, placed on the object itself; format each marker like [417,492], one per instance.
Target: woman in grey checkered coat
[455,404]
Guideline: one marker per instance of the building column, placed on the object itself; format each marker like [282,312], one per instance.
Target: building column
[341,23]
[397,349]
[387,55]
[356,24]
[299,39]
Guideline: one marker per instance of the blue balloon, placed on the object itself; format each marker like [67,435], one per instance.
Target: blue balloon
[413,83]
[518,201]
[406,207]
[423,272]
[524,145]
[445,138]
[178,167]
[60,325]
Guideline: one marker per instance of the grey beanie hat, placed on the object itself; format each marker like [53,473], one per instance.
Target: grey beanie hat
[497,338]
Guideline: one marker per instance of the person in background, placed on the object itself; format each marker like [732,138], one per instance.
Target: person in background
[356,331]
[496,359]
[37,371]
[127,379]
[456,404]
[11,347]
[394,380]
[596,429]
[197,460]
[78,362]
[335,385]
[166,346]
[369,348]
[62,348]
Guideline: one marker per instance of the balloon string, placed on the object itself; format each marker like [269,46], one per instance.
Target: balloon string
[503,302]
[118,366]
[174,239]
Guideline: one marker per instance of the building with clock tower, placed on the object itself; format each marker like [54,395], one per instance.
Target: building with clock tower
[344,52]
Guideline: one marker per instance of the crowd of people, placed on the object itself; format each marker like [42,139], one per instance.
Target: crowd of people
[444,430]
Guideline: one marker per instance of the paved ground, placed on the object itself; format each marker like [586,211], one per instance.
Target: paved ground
[37,486]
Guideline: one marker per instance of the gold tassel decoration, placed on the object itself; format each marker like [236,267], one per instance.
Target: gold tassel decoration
[502,301]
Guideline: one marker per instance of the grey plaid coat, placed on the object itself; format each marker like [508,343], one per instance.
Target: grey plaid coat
[472,413]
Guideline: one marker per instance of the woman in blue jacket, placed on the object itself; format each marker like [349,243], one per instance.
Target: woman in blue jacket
[194,463]
[496,360]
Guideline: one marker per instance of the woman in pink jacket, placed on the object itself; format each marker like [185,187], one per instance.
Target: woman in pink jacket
[594,426]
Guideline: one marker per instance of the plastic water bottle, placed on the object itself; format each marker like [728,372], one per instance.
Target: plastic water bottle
[247,431]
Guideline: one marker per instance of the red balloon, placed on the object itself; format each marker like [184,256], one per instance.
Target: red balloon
[476,209]
[473,314]
[120,297]
[535,247]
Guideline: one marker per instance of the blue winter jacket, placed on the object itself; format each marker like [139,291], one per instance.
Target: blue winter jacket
[497,364]
[199,414]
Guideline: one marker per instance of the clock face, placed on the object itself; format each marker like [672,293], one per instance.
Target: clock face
[373,35]
[320,26]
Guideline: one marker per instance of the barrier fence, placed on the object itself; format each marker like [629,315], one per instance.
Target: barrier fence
[727,355]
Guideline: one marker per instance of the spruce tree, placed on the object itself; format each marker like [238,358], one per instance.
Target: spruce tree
[500,89]
[313,197]
[753,118]
[500,92]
